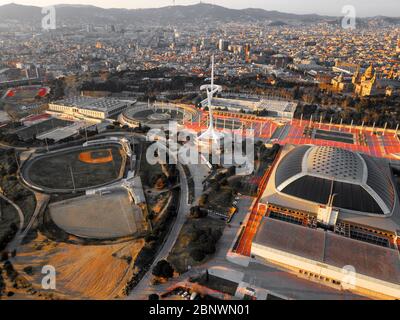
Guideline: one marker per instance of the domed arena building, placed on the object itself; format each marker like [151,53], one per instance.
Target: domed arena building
[314,173]
[326,209]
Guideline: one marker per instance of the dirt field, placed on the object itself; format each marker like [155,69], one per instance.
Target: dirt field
[91,272]
[106,216]
[54,172]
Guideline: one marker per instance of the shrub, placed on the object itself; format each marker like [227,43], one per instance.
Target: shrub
[208,247]
[163,269]
[145,256]
[197,255]
[28,270]
[216,235]
[154,297]
[4,256]
[196,212]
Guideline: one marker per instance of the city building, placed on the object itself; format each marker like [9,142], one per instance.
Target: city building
[223,45]
[342,84]
[269,107]
[369,84]
[95,108]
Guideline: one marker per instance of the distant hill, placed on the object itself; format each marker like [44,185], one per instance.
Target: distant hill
[19,13]
[161,16]
[172,15]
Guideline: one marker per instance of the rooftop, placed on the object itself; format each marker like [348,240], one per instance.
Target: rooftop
[357,181]
[326,247]
[97,104]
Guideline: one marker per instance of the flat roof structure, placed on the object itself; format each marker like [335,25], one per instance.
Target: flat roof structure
[98,104]
[275,108]
[324,253]
[279,107]
[99,108]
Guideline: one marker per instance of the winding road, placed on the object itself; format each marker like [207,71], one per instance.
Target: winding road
[145,283]
[19,211]
[41,203]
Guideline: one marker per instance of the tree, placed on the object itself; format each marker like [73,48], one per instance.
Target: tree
[237,185]
[208,247]
[215,186]
[163,269]
[216,235]
[154,297]
[197,255]
[203,200]
[231,171]
[197,213]
[4,256]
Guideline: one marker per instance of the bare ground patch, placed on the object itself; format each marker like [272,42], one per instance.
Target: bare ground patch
[92,272]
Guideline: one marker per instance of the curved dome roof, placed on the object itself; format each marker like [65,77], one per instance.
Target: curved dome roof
[314,173]
[335,162]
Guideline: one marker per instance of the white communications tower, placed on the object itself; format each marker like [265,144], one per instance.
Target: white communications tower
[211,89]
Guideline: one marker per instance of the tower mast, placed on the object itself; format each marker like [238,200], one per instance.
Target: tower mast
[211,89]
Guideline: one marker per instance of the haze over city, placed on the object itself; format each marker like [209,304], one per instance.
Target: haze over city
[324,7]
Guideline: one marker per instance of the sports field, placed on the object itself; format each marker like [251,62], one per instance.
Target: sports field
[65,170]
[26,93]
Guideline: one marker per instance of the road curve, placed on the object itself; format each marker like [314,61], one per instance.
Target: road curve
[20,214]
[41,202]
[184,207]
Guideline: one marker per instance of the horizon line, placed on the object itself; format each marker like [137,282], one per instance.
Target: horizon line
[188,5]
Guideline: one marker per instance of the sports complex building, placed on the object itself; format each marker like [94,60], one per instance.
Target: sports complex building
[158,115]
[325,211]
[274,108]
[87,107]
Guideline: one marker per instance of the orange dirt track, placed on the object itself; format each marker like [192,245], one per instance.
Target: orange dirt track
[87,157]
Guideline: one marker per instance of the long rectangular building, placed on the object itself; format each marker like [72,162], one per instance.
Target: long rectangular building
[87,107]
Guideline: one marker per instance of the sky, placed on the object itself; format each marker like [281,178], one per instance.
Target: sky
[326,7]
